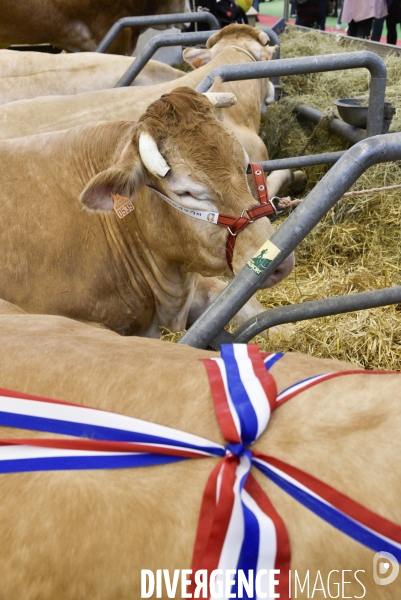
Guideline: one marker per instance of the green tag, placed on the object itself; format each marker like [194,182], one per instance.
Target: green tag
[263,258]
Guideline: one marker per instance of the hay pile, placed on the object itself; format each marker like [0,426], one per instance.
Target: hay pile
[357,246]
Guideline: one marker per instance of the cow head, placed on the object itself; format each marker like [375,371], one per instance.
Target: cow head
[253,41]
[180,148]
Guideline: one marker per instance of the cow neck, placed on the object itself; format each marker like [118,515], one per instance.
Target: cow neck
[251,56]
[144,271]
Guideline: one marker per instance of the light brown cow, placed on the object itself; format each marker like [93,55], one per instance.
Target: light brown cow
[79,535]
[77,25]
[155,266]
[233,44]
[25,75]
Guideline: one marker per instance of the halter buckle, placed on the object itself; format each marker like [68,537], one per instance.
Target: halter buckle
[245,211]
[233,234]
[272,202]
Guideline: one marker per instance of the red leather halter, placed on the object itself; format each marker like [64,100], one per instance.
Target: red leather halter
[265,208]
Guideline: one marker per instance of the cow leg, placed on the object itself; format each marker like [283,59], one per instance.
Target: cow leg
[207,290]
[278,181]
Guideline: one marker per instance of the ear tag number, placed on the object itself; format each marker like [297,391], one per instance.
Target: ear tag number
[122,205]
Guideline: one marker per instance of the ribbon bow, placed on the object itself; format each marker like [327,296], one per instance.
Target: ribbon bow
[238,529]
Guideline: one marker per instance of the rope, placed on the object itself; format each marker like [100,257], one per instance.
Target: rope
[324,121]
[360,192]
[286,202]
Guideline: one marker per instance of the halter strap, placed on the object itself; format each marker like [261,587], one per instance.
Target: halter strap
[240,50]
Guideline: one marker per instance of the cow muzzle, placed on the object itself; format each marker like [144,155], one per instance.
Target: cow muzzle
[281,272]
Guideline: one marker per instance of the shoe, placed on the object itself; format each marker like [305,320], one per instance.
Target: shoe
[338,26]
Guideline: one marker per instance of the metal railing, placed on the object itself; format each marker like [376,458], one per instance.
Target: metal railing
[148,21]
[173,39]
[316,64]
[208,329]
[156,42]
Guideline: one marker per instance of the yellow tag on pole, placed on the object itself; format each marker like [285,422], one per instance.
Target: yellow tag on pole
[122,205]
[264,256]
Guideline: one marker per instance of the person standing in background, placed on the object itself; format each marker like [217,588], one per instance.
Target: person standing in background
[311,13]
[378,25]
[360,14]
[394,17]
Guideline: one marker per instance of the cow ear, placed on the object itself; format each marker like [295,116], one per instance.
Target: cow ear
[196,57]
[99,194]
[269,52]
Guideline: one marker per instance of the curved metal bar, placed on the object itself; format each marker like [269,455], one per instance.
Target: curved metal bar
[331,187]
[314,309]
[173,39]
[315,64]
[163,40]
[298,162]
[155,20]
[349,132]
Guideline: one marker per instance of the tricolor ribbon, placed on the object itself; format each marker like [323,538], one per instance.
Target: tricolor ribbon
[239,528]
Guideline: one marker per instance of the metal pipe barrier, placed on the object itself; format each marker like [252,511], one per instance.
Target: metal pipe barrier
[314,309]
[274,40]
[172,39]
[315,64]
[299,162]
[378,149]
[155,20]
[349,132]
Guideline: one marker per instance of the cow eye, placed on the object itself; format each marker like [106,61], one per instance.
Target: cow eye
[187,194]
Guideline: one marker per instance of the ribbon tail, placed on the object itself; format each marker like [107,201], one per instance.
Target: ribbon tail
[350,517]
[216,509]
[274,544]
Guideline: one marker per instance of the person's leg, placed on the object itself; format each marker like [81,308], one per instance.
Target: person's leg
[364,28]
[352,28]
[321,15]
[391,22]
[340,16]
[377,29]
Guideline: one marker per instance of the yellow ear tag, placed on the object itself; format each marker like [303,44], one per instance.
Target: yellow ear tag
[122,205]
[197,63]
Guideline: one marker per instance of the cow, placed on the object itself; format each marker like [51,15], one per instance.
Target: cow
[233,44]
[74,535]
[157,265]
[25,75]
[76,25]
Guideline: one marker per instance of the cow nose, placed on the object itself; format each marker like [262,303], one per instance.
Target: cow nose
[281,272]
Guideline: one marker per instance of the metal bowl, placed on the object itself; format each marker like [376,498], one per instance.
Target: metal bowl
[354,111]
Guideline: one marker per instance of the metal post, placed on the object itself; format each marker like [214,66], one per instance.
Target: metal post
[333,185]
[287,10]
[173,39]
[148,21]
[314,309]
[299,162]
[315,64]
[348,132]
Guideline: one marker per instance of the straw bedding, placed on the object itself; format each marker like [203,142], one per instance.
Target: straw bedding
[356,247]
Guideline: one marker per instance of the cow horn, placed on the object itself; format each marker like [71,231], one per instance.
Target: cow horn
[151,157]
[264,38]
[221,99]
